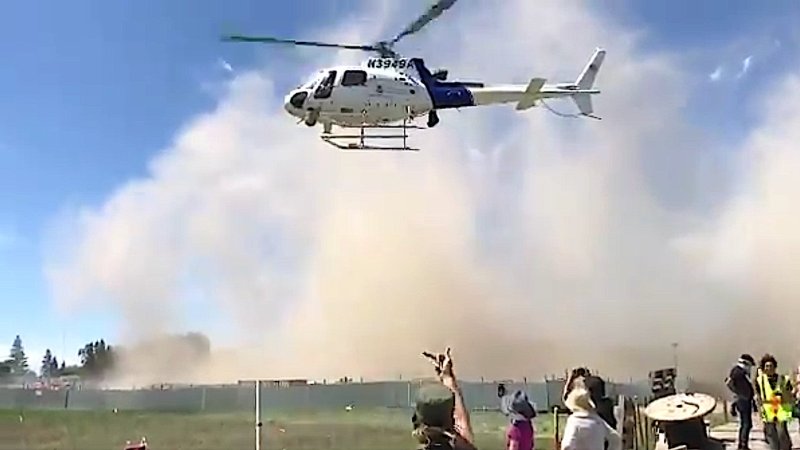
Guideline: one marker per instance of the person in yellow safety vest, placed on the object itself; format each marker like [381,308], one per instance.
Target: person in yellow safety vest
[774,398]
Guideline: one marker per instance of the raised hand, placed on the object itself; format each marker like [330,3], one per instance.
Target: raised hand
[443,365]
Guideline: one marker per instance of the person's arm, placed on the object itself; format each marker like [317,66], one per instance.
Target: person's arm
[758,401]
[757,391]
[444,368]
[460,413]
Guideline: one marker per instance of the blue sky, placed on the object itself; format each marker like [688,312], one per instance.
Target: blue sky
[95,89]
[91,90]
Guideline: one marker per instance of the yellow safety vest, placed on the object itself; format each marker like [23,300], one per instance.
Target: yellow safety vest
[776,405]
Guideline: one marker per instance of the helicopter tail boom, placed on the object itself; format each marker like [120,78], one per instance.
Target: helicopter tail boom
[580,91]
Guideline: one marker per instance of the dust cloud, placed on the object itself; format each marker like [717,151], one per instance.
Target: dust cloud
[528,243]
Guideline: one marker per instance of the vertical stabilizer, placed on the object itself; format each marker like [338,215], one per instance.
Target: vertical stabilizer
[586,78]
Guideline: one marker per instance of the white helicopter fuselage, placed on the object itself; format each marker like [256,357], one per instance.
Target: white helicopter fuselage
[355,95]
[386,91]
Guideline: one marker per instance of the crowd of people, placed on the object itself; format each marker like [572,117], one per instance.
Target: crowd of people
[441,419]
[770,395]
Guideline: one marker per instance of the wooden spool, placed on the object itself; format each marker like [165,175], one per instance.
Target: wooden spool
[680,417]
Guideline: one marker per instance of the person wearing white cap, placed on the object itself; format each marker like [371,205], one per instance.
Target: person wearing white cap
[585,429]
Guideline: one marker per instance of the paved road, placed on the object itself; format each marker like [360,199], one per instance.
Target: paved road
[728,433]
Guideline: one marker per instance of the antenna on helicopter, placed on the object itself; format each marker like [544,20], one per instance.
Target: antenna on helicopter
[385,49]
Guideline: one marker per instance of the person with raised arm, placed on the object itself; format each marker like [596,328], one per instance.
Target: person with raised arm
[441,419]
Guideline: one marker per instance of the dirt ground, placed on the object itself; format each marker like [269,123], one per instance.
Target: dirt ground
[318,430]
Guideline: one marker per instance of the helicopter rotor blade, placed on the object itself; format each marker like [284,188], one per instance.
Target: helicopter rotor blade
[433,12]
[272,40]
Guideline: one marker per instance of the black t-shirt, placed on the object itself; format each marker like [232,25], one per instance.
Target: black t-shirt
[604,405]
[596,387]
[740,384]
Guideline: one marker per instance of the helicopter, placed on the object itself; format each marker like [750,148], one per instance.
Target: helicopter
[389,92]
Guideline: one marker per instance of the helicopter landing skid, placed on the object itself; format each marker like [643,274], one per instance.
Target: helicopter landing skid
[361,141]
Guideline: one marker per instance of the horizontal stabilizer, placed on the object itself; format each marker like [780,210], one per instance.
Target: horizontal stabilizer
[531,94]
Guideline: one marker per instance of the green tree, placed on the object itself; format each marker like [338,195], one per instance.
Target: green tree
[47,364]
[97,359]
[54,368]
[18,360]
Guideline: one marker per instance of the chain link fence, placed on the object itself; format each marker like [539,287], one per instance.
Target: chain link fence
[352,416]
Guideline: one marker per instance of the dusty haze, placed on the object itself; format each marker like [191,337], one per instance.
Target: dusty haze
[528,243]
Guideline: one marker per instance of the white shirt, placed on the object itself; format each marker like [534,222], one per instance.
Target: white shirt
[588,431]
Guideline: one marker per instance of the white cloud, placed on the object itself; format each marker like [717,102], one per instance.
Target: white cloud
[745,66]
[384,256]
[756,47]
[225,65]
[716,74]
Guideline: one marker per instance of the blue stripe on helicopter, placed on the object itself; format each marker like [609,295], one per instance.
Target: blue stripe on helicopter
[443,95]
[450,95]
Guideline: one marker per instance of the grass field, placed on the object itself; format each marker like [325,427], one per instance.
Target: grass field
[356,430]
[315,430]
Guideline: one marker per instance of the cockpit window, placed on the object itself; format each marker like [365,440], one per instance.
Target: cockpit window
[354,78]
[326,87]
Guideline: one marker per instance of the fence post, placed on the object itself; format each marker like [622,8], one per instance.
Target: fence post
[556,437]
[547,392]
[725,410]
[258,414]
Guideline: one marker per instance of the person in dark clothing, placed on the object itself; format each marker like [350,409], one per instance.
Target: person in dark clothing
[603,405]
[739,382]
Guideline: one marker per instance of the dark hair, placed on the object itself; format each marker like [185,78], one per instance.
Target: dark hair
[580,372]
[768,359]
[749,358]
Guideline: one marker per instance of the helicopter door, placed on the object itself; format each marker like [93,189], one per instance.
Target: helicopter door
[352,92]
[326,87]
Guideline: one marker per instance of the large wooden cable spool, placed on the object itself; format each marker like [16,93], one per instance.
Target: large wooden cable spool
[681,418]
